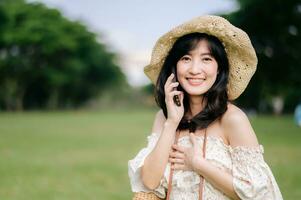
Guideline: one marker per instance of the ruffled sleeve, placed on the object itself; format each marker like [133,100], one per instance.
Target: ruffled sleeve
[252,177]
[134,168]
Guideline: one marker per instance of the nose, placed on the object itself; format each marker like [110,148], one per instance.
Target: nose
[196,67]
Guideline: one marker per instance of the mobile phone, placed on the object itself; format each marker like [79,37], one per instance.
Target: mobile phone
[176,98]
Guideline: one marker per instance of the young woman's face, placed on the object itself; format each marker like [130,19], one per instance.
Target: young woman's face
[197,70]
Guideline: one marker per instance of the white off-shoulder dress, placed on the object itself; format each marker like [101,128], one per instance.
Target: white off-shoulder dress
[252,177]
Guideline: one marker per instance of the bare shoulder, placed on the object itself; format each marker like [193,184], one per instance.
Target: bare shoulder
[237,127]
[158,122]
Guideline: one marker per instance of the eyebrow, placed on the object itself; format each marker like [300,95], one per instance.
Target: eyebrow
[203,54]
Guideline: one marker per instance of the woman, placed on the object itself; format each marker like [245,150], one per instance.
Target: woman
[206,62]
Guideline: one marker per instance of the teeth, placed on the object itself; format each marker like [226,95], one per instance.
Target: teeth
[195,80]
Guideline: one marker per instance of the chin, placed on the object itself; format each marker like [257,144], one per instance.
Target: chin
[195,91]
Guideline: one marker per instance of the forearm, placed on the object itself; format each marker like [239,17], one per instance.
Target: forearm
[222,180]
[155,163]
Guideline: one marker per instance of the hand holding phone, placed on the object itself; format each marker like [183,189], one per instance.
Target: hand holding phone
[173,99]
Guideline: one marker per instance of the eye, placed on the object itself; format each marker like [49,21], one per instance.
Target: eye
[185,58]
[207,59]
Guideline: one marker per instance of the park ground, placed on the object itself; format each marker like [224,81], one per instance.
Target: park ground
[83,154]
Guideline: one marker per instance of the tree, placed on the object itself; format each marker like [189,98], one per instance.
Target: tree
[274,28]
[47,60]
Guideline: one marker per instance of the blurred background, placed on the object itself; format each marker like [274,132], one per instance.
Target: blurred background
[75,105]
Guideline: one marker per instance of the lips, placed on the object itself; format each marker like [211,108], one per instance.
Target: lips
[195,81]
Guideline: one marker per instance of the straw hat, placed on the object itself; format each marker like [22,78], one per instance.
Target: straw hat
[240,52]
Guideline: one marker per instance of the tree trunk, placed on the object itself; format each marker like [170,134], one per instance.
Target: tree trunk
[53,99]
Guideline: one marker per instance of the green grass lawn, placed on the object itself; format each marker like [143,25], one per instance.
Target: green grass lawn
[83,155]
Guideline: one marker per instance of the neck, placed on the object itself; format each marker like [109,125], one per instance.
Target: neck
[196,105]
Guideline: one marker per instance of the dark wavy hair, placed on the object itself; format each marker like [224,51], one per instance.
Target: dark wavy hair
[216,97]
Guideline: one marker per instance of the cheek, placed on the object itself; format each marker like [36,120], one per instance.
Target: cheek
[212,70]
[180,71]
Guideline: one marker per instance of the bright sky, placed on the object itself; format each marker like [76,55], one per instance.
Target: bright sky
[131,28]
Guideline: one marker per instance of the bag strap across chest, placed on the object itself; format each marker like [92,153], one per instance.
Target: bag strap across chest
[201,188]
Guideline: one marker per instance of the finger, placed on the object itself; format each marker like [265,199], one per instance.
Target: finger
[169,97]
[171,76]
[169,79]
[178,148]
[173,93]
[178,166]
[175,160]
[171,86]
[177,155]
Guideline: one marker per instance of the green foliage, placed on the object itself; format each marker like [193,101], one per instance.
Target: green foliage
[49,61]
[148,89]
[274,28]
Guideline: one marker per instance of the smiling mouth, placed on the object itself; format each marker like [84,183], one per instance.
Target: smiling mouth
[195,81]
